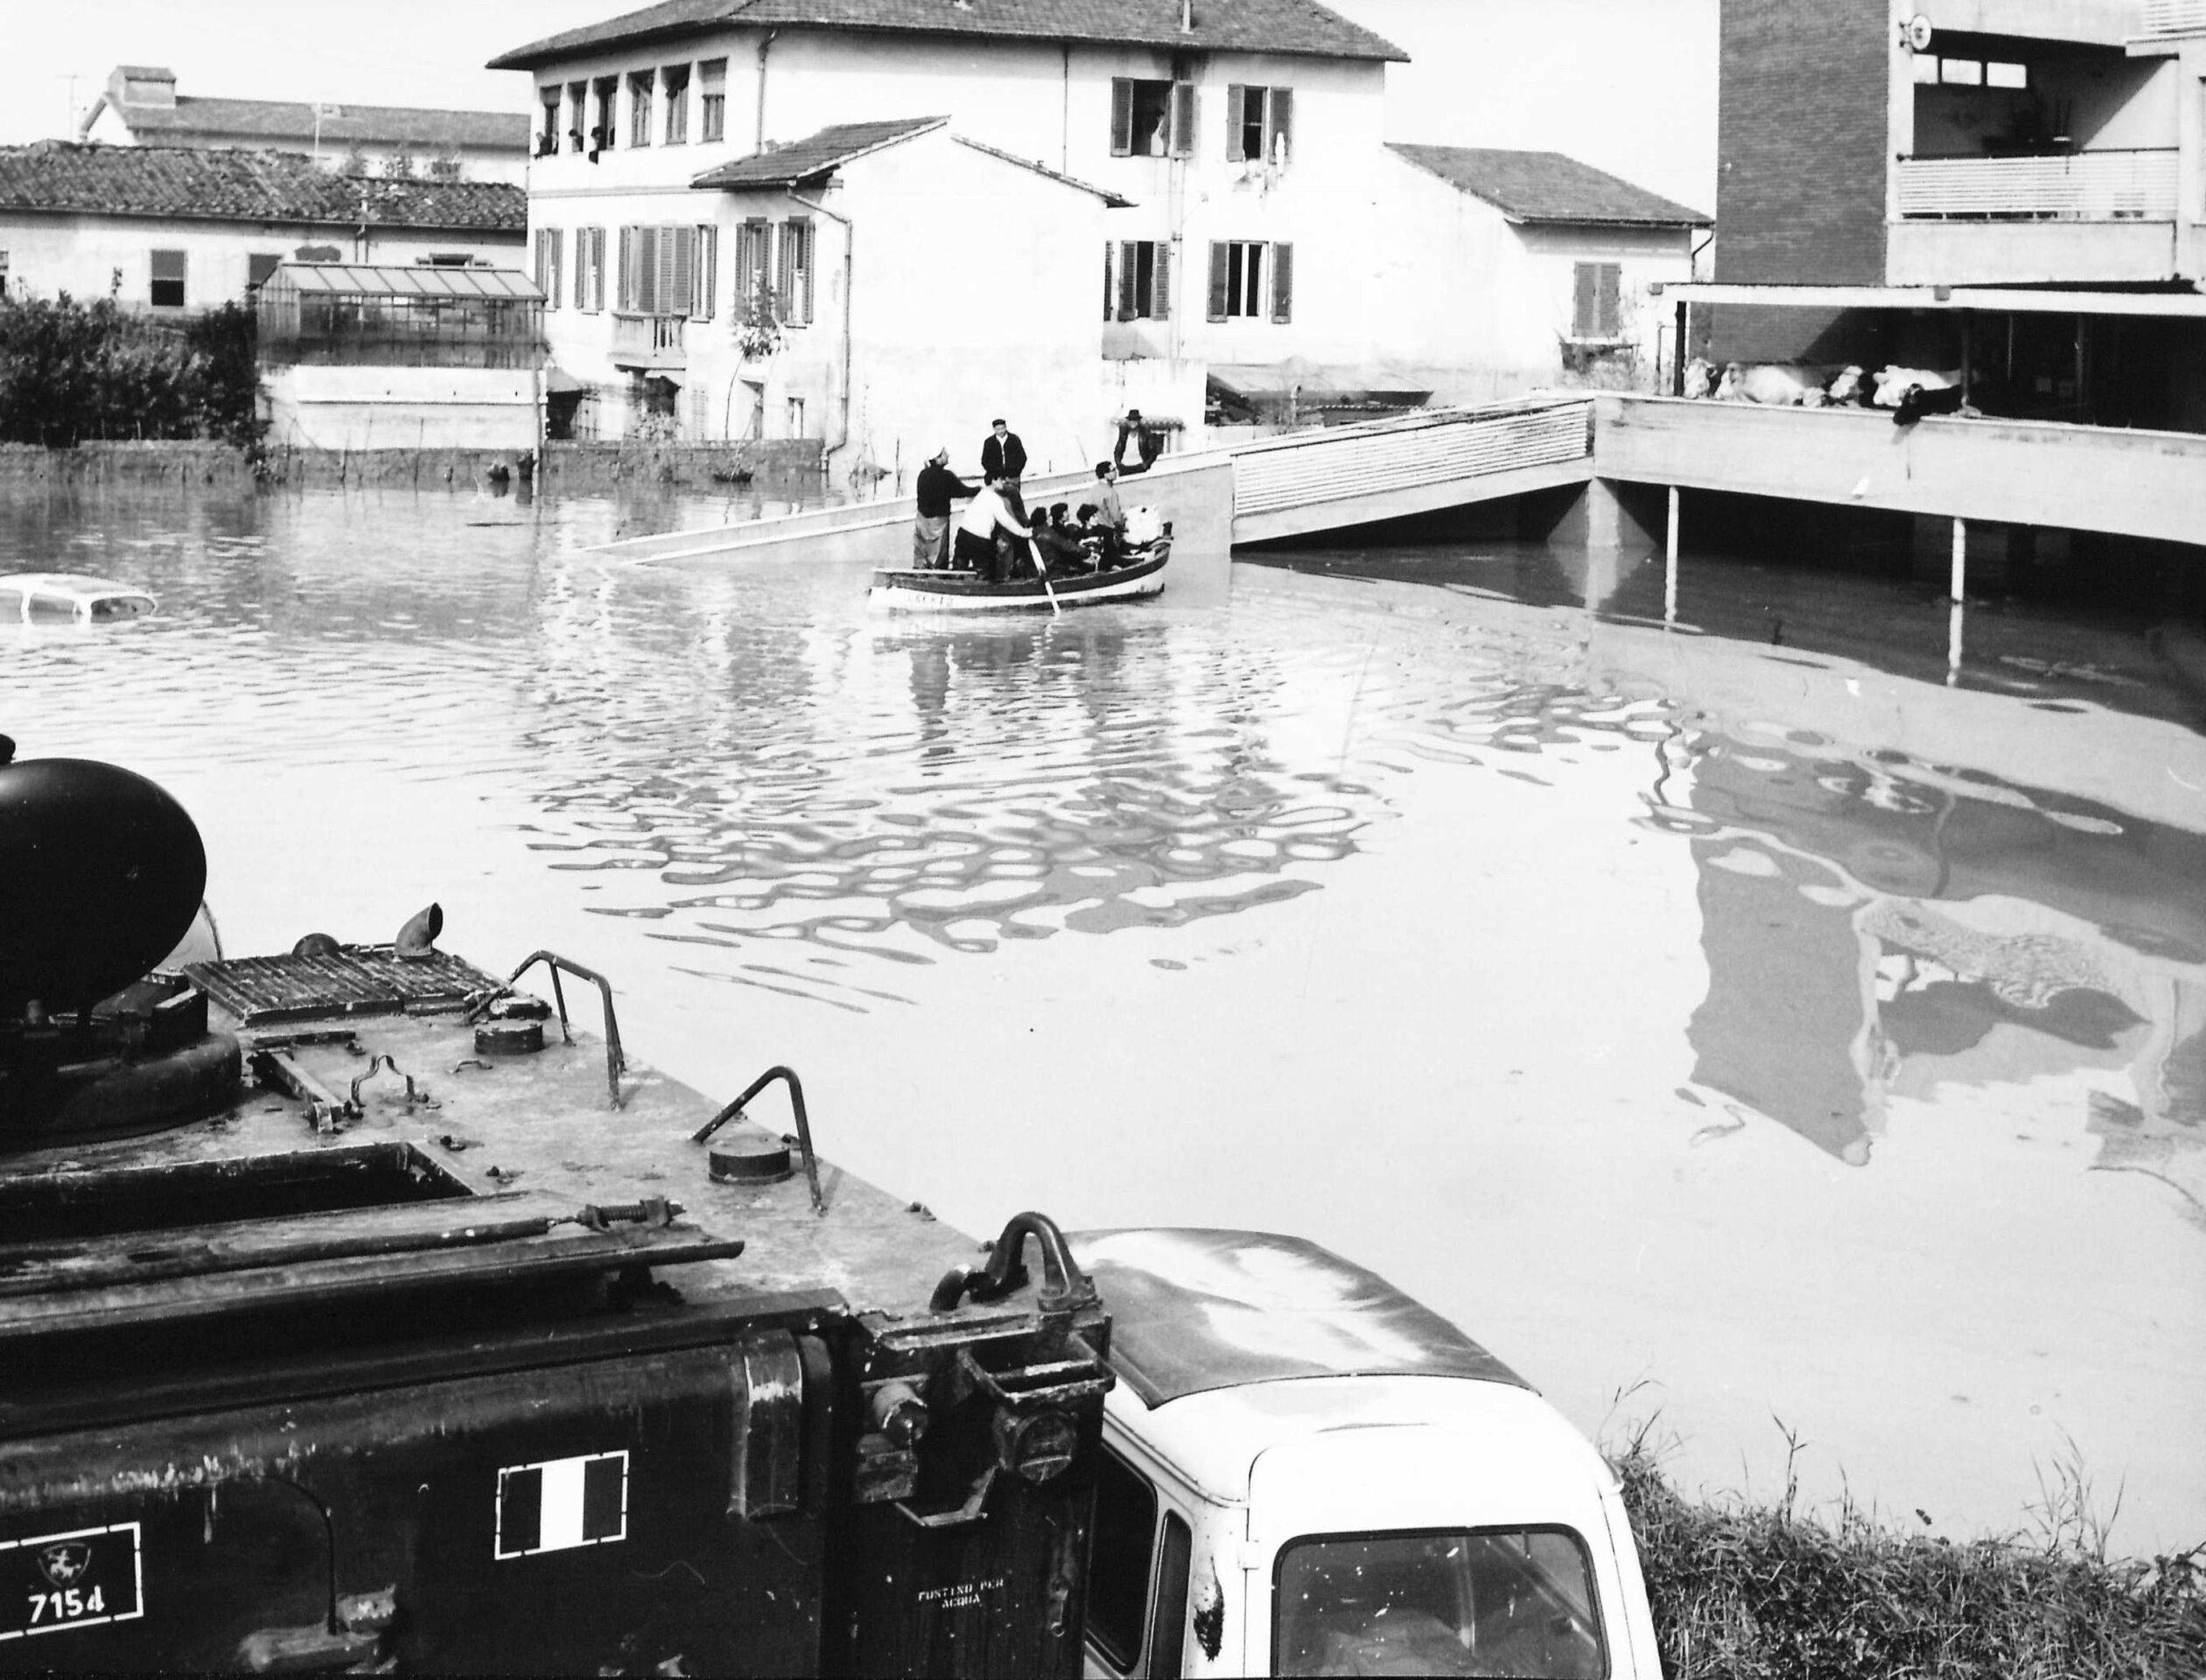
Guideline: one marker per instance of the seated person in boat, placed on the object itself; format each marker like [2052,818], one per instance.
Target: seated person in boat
[988,517]
[1060,541]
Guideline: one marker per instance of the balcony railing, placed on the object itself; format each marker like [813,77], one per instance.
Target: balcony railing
[2175,16]
[2078,186]
[653,341]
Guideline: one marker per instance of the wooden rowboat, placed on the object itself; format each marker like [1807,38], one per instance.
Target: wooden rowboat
[907,590]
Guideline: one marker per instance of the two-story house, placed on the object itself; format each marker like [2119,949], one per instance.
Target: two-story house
[1234,145]
[2016,188]
[140,107]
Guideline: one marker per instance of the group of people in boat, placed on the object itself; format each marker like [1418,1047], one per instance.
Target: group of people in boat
[995,536]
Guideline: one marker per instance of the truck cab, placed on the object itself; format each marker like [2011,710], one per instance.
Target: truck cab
[1307,1473]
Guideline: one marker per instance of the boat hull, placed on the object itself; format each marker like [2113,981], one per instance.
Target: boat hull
[907,591]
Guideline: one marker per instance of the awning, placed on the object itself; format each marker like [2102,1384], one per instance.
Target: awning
[413,280]
[2012,300]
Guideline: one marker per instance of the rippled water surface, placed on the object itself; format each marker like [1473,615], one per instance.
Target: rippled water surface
[1757,1038]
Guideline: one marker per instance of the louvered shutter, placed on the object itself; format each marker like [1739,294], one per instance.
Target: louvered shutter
[1278,137]
[1183,119]
[558,266]
[678,296]
[1122,117]
[1108,247]
[1161,296]
[1587,282]
[1608,307]
[1217,280]
[708,272]
[624,290]
[1128,261]
[1236,103]
[1283,283]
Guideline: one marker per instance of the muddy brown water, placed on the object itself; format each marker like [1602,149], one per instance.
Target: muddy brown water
[1761,1038]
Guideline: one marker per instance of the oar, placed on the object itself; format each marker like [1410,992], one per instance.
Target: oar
[1042,572]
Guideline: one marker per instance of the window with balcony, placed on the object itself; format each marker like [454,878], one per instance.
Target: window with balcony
[1151,119]
[552,98]
[1250,280]
[603,135]
[167,288]
[1597,303]
[1137,280]
[671,271]
[712,100]
[1259,123]
[640,83]
[577,115]
[674,94]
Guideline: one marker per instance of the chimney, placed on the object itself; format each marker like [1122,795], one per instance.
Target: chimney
[1187,17]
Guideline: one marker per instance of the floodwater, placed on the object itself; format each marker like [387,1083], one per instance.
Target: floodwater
[1762,1038]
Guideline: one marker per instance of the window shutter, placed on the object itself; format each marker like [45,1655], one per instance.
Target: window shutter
[1122,117]
[1586,284]
[1128,261]
[1279,138]
[558,266]
[1610,311]
[1283,283]
[806,236]
[1217,280]
[674,272]
[1183,119]
[1107,250]
[708,272]
[1237,103]
[624,286]
[1160,298]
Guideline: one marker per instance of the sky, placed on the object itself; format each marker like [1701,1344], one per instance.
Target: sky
[1629,86]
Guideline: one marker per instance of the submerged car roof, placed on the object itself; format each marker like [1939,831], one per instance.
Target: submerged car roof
[1193,1311]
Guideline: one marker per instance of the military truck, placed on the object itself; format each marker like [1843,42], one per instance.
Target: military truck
[360,1310]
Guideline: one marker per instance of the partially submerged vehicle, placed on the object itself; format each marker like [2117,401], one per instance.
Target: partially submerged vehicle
[34,595]
[1306,1472]
[356,1312]
[1137,570]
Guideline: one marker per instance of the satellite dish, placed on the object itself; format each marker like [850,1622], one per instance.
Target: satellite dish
[1919,32]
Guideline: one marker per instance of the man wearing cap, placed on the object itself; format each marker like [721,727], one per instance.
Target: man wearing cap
[930,531]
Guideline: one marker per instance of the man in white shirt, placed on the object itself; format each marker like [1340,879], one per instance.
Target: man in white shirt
[986,515]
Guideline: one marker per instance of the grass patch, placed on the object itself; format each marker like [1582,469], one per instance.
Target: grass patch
[1747,1592]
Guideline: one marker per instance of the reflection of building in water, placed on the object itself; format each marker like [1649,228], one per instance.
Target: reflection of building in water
[1869,936]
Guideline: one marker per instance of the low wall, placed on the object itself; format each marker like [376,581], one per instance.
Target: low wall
[577,468]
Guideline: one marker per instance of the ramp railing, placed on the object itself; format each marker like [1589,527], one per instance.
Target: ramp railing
[1427,447]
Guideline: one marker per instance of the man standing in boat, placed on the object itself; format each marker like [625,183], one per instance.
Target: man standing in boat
[987,514]
[930,531]
[1111,514]
[1003,457]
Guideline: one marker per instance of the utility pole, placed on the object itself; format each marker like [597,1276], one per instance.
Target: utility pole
[69,120]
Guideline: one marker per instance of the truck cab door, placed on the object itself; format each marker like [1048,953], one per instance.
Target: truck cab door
[1137,1578]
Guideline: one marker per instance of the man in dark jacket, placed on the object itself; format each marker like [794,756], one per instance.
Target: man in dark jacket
[930,531]
[1003,460]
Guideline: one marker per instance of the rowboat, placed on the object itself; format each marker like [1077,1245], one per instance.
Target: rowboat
[1139,573]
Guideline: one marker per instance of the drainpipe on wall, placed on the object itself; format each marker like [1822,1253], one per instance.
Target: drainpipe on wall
[850,242]
[766,42]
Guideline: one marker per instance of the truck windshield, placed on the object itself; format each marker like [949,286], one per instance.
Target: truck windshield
[1487,1601]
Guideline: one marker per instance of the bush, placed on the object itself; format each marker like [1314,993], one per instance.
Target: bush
[1740,1590]
[72,371]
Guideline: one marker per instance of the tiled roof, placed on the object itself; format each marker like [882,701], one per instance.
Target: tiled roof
[1547,186]
[224,186]
[266,120]
[816,155]
[1297,27]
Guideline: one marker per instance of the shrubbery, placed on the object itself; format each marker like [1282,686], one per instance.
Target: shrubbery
[70,372]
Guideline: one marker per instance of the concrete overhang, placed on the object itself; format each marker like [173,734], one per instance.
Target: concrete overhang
[2096,23]
[2184,305]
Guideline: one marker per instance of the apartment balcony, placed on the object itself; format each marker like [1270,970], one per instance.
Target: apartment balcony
[2075,218]
[651,342]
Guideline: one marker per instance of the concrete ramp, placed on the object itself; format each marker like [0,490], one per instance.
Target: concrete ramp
[1343,476]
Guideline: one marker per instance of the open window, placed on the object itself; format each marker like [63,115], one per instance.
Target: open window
[166,290]
[1250,280]
[605,116]
[1151,119]
[1137,280]
[1259,124]
[640,84]
[674,94]
[552,98]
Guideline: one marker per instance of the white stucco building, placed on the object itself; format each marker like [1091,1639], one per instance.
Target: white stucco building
[177,231]
[140,107]
[1522,269]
